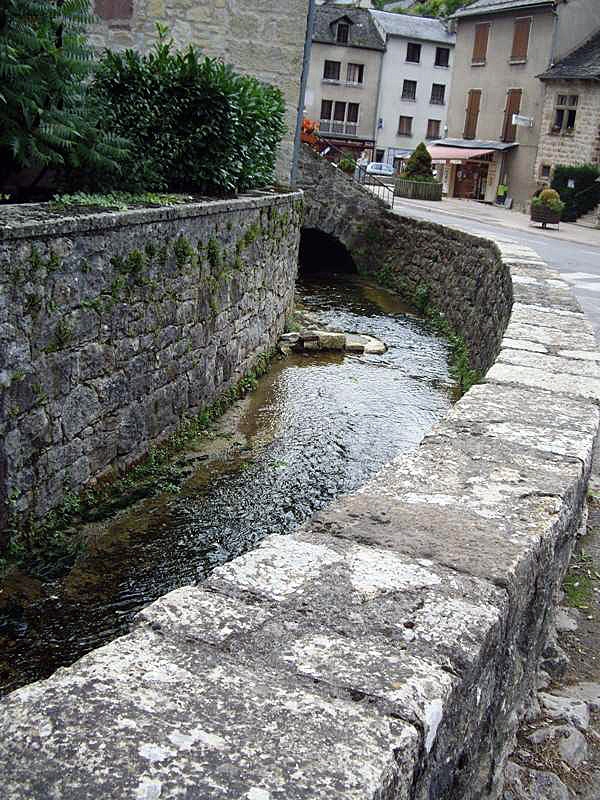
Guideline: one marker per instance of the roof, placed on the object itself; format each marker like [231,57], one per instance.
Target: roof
[411,27]
[581,64]
[439,153]
[480,7]
[475,144]
[363,30]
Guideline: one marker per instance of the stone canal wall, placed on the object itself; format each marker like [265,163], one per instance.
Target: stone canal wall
[387,648]
[114,326]
[461,275]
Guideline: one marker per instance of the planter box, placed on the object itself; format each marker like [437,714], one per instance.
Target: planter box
[544,215]
[418,190]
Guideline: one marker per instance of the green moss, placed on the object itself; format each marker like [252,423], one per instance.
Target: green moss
[184,252]
[214,255]
[31,543]
[63,334]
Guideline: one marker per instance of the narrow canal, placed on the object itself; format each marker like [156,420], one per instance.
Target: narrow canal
[317,426]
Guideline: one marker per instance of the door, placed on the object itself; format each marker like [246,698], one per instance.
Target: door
[470,182]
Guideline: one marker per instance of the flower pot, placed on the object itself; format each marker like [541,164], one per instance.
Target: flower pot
[545,215]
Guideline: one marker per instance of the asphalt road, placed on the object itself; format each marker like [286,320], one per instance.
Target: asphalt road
[579,264]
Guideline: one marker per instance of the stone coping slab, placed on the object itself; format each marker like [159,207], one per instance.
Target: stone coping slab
[382,651]
[37,219]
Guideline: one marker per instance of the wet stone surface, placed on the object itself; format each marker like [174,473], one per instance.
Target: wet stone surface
[318,425]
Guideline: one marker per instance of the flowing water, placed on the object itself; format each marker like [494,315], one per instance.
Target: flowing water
[317,426]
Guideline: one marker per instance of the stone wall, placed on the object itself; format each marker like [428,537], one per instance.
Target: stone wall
[264,38]
[386,649]
[582,146]
[115,325]
[464,275]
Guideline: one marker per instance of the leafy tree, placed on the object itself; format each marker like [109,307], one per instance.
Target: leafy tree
[418,166]
[45,63]
[194,123]
[436,8]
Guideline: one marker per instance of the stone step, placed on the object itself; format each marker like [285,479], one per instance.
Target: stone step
[335,341]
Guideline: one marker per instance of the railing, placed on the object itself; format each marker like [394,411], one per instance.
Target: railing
[360,175]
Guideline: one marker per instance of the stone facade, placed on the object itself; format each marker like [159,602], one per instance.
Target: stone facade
[464,275]
[387,648]
[114,326]
[263,38]
[582,145]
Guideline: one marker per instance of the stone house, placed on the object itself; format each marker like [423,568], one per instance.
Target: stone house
[570,127]
[344,75]
[415,83]
[264,39]
[497,99]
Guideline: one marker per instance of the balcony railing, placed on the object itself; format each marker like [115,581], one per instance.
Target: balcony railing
[331,126]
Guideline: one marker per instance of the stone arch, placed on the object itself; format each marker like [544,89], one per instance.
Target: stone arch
[322,252]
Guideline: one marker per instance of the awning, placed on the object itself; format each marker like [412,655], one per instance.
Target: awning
[440,153]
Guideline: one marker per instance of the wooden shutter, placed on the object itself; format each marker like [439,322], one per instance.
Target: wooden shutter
[513,106]
[480,45]
[472,115]
[520,39]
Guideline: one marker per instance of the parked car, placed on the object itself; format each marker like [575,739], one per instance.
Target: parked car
[380,169]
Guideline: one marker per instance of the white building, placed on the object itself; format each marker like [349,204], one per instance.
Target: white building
[415,83]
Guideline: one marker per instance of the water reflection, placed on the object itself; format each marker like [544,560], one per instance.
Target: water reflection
[318,426]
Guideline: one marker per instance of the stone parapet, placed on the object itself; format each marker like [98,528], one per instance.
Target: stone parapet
[386,649]
[116,325]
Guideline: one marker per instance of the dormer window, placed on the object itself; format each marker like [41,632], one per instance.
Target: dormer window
[342,33]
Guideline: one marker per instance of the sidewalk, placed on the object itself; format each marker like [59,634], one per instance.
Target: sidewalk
[497,215]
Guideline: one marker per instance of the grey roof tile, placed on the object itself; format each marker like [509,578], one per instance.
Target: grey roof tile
[496,6]
[414,27]
[363,30]
[581,64]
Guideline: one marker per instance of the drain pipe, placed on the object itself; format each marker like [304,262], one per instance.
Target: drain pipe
[310,24]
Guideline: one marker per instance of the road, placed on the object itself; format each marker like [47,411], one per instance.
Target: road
[577,261]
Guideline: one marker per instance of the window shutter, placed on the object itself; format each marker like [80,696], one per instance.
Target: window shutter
[520,40]
[480,45]
[472,115]
[513,106]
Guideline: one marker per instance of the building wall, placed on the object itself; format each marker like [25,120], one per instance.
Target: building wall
[583,145]
[494,78]
[113,327]
[264,38]
[318,89]
[577,20]
[391,106]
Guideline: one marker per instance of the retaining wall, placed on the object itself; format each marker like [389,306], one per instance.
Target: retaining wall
[384,650]
[113,326]
[463,275]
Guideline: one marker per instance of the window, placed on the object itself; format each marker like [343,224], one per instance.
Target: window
[520,43]
[472,113]
[413,52]
[342,33]
[114,9]
[513,106]
[331,71]
[565,113]
[355,73]
[339,117]
[545,171]
[438,94]
[405,126]
[379,154]
[326,109]
[480,43]
[433,128]
[442,56]
[409,90]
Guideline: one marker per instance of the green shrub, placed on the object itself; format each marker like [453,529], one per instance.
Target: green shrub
[46,119]
[347,164]
[194,124]
[418,166]
[585,194]
[549,198]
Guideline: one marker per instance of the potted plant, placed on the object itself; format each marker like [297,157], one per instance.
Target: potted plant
[547,207]
[347,164]
[417,181]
